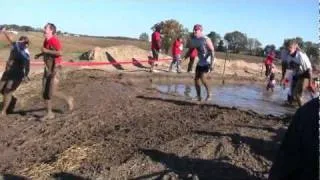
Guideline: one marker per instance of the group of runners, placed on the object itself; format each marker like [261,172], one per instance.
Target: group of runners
[18,64]
[199,46]
[296,66]
[299,152]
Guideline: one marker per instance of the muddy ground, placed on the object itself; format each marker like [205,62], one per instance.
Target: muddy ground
[121,128]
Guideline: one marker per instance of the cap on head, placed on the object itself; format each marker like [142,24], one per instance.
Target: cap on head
[197,27]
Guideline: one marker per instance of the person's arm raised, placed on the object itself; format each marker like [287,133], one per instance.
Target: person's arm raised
[3,30]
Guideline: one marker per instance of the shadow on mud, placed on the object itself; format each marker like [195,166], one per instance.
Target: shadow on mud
[55,176]
[12,177]
[138,64]
[185,167]
[33,111]
[114,62]
[67,176]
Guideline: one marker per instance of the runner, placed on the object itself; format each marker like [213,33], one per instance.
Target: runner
[155,45]
[205,50]
[268,62]
[16,70]
[51,52]
[176,54]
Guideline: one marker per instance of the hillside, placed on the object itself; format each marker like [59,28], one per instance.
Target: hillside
[72,46]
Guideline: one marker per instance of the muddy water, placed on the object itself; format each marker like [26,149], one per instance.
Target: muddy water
[253,97]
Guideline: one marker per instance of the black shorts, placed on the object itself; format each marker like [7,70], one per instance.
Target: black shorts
[202,69]
[9,86]
[10,81]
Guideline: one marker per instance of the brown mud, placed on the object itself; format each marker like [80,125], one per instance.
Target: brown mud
[122,128]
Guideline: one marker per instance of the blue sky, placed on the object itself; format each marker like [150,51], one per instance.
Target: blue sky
[270,21]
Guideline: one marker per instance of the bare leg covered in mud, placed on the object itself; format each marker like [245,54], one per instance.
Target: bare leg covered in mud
[204,82]
[6,102]
[8,87]
[200,76]
[55,93]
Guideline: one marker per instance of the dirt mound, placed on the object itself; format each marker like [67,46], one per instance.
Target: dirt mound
[241,67]
[123,57]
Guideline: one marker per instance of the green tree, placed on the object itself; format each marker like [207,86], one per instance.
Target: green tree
[300,42]
[215,37]
[237,41]
[144,36]
[170,30]
[253,45]
[312,50]
[221,47]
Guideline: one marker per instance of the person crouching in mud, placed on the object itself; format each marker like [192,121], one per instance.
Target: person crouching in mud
[205,49]
[17,68]
[271,82]
[51,52]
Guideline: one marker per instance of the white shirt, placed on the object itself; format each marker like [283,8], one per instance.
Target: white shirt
[302,60]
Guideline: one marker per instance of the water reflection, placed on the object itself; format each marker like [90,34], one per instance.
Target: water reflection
[253,97]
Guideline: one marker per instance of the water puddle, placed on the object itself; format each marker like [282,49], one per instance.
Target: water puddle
[248,97]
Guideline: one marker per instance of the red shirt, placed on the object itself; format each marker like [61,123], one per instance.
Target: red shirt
[53,44]
[269,59]
[154,40]
[194,53]
[176,48]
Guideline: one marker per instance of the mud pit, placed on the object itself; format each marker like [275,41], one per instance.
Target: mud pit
[123,128]
[243,96]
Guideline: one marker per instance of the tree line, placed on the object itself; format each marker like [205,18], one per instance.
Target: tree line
[235,42]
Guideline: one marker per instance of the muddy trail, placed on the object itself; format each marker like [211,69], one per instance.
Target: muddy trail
[123,128]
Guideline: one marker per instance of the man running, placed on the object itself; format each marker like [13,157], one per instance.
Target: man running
[205,50]
[16,70]
[51,52]
[155,45]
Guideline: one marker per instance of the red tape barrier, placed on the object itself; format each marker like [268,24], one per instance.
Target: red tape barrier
[88,63]
[133,61]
